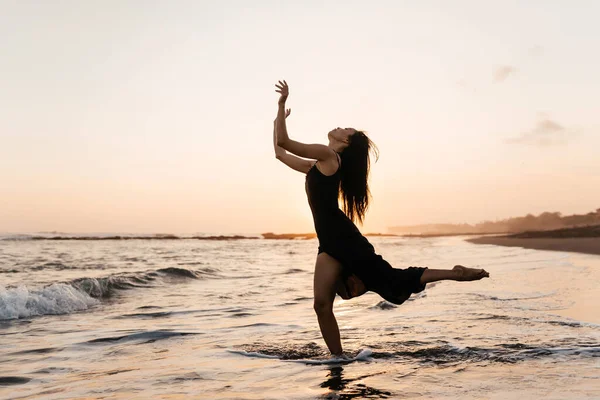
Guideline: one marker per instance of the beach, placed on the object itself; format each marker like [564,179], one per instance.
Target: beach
[233,319]
[585,299]
[586,245]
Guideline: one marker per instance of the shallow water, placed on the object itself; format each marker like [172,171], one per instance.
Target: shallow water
[223,319]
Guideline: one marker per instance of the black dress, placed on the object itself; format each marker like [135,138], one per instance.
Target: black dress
[340,238]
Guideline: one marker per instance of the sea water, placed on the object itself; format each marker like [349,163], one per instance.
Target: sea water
[221,319]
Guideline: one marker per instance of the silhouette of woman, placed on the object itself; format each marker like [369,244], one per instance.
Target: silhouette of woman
[346,262]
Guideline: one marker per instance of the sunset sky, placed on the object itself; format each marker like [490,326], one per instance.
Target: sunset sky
[131,116]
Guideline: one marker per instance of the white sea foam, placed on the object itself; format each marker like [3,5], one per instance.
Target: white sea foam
[58,298]
[252,354]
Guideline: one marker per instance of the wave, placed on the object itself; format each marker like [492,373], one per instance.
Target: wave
[429,353]
[83,293]
[513,298]
[539,320]
[363,355]
[293,271]
[13,380]
[383,305]
[106,287]
[142,337]
[58,298]
[501,353]
[285,352]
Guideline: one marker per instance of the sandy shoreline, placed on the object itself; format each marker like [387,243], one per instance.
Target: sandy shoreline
[584,300]
[586,245]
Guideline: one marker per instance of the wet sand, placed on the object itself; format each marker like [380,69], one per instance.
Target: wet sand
[586,245]
[584,299]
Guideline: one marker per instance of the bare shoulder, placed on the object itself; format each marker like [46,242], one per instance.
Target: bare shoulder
[328,166]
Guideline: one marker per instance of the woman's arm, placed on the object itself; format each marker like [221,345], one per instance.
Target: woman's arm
[296,163]
[315,151]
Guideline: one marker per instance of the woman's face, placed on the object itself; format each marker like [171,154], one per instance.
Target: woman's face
[341,135]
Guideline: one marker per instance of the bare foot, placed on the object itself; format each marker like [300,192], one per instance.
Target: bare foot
[470,274]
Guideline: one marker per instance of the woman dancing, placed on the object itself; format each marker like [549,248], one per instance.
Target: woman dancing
[346,262]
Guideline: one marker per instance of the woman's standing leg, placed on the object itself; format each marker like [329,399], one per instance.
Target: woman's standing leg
[327,273]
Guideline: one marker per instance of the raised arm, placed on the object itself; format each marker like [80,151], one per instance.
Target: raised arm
[296,163]
[315,151]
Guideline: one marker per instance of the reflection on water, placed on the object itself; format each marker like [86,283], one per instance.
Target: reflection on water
[349,388]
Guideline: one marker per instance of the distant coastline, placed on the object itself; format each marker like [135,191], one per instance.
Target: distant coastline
[585,239]
[542,222]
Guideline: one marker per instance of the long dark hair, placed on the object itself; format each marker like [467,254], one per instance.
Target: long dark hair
[354,186]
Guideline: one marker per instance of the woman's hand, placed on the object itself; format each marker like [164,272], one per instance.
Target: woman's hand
[283,89]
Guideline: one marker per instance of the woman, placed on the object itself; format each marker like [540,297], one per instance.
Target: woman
[346,261]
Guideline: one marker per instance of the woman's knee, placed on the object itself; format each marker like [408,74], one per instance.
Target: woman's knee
[327,273]
[322,306]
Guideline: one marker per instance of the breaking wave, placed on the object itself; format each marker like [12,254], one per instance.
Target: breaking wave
[84,293]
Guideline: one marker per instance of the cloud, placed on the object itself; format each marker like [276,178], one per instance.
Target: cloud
[545,133]
[502,73]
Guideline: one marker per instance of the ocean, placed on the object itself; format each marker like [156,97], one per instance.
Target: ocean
[233,319]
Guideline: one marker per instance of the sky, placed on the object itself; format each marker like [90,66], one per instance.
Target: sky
[157,117]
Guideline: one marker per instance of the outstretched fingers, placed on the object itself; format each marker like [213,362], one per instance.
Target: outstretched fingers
[282,87]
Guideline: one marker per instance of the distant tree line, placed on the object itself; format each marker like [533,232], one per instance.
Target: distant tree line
[544,221]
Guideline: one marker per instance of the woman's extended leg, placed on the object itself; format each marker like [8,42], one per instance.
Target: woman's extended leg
[327,273]
[458,273]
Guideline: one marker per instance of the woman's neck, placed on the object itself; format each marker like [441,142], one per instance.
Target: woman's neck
[336,146]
